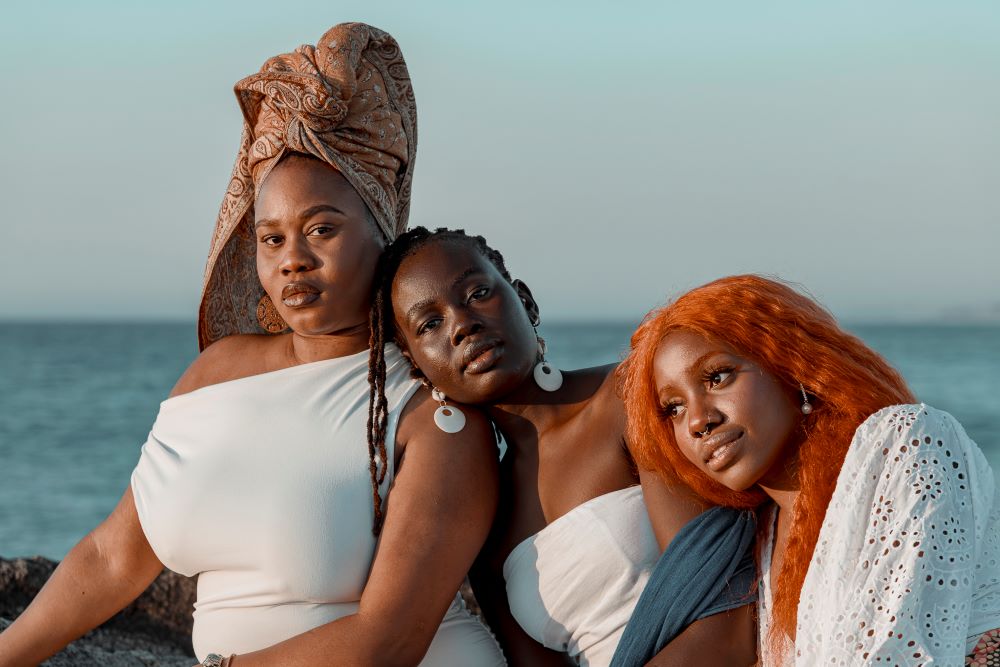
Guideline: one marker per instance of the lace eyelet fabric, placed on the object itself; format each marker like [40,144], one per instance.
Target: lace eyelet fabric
[906,569]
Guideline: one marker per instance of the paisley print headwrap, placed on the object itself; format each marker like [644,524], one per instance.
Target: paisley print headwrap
[347,101]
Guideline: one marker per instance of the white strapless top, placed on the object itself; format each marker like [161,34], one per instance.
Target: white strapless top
[261,487]
[572,586]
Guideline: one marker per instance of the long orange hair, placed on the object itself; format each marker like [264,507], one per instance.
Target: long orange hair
[794,339]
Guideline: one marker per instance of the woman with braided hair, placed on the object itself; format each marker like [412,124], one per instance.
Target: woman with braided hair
[572,546]
[255,476]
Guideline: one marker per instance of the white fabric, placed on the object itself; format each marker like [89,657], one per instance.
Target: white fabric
[765,601]
[572,586]
[261,487]
[907,566]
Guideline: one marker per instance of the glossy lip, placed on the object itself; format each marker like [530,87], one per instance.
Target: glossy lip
[720,449]
[481,355]
[299,293]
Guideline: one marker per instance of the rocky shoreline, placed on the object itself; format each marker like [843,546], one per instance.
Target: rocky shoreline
[153,630]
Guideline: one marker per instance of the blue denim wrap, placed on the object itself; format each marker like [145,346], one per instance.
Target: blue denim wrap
[708,568]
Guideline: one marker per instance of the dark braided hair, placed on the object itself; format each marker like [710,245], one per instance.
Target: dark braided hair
[383,329]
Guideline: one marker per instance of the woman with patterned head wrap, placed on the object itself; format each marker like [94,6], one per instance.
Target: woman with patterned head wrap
[256,476]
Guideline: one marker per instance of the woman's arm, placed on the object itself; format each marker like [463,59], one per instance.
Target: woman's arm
[899,552]
[726,638]
[114,564]
[669,507]
[437,517]
[103,573]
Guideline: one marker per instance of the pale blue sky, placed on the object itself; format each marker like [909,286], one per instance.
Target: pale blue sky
[617,153]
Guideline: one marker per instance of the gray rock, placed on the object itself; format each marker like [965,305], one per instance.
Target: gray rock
[153,630]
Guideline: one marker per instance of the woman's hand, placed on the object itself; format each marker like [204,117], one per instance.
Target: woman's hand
[226,662]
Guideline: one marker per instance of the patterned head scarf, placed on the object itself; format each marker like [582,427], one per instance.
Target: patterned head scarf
[347,101]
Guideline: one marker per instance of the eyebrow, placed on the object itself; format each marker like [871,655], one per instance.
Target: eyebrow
[304,215]
[319,208]
[687,371]
[463,275]
[420,305]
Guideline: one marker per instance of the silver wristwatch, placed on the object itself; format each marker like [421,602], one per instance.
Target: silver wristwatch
[213,660]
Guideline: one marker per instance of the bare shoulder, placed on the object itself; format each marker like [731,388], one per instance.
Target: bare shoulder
[604,413]
[608,395]
[229,358]
[416,425]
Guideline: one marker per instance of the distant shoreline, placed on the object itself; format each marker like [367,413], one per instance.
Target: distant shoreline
[79,400]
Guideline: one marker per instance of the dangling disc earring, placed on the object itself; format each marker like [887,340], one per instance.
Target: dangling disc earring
[807,407]
[547,376]
[268,317]
[448,418]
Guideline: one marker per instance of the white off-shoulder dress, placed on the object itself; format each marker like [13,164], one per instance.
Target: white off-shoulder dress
[572,586]
[906,569]
[261,487]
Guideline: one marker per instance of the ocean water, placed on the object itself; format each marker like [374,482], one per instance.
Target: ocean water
[77,401]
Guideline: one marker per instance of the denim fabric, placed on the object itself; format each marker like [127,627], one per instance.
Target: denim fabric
[707,568]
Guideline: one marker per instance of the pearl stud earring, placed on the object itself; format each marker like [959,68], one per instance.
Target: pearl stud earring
[807,407]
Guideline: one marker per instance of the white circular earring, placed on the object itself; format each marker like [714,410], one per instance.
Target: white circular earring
[447,418]
[807,407]
[547,376]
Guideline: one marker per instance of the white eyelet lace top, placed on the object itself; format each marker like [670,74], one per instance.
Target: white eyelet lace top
[906,570]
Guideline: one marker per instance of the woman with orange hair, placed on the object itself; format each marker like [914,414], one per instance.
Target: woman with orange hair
[878,536]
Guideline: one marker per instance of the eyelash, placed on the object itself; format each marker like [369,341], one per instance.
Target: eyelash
[321,230]
[478,293]
[423,328]
[712,372]
[666,411]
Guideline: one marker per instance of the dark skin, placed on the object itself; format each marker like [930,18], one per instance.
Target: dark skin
[733,420]
[470,332]
[313,231]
